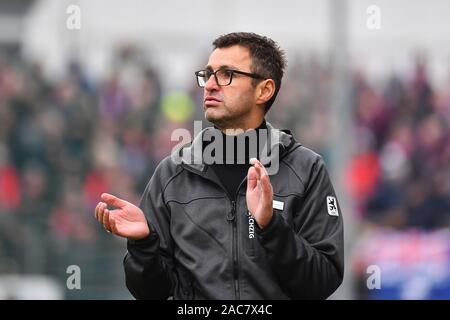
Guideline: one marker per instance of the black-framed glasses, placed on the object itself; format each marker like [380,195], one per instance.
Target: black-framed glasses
[223,76]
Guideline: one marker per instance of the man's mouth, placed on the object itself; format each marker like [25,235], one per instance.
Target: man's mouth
[211,101]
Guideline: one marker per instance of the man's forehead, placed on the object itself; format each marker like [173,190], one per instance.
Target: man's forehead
[234,56]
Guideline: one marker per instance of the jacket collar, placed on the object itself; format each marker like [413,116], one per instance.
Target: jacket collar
[190,155]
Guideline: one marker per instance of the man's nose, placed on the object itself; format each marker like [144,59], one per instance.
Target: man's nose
[211,84]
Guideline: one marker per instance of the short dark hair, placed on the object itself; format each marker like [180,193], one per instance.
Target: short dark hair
[268,60]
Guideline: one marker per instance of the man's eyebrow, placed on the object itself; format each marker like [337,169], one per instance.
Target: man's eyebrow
[208,67]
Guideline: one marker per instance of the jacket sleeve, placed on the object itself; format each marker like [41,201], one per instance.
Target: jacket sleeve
[148,262]
[308,259]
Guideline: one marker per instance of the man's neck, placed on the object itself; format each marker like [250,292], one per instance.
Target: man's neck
[231,156]
[234,131]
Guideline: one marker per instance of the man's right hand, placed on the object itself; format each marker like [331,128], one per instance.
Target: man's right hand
[127,220]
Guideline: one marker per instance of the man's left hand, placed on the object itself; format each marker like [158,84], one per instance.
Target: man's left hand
[259,193]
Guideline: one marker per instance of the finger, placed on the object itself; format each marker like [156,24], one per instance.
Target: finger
[112,224]
[251,179]
[113,200]
[96,210]
[106,220]
[266,187]
[254,161]
[100,212]
[265,179]
[261,167]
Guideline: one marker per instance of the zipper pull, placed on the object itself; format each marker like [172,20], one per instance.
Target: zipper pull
[231,215]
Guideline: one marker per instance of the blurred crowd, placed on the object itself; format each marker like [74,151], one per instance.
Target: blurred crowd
[64,142]
[400,172]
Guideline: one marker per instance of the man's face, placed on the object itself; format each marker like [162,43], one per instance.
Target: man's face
[229,106]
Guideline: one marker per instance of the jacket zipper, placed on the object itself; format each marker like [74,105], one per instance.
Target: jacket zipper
[231,217]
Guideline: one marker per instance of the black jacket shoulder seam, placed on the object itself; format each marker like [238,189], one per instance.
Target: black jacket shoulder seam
[316,161]
[295,173]
[171,178]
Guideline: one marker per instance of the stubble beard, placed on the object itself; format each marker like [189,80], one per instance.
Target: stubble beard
[228,119]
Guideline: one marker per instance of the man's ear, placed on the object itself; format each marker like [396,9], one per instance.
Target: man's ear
[264,91]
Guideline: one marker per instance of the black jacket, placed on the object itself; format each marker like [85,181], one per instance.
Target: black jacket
[204,245]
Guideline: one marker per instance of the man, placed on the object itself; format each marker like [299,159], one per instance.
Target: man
[221,230]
